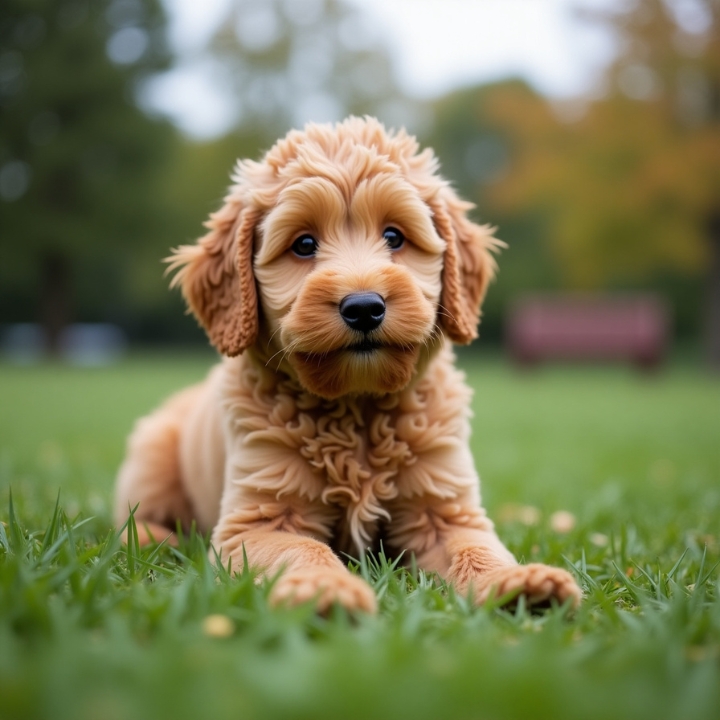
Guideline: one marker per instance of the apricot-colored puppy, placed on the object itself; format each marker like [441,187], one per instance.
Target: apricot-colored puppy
[333,280]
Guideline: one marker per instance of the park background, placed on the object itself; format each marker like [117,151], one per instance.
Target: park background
[118,138]
[120,121]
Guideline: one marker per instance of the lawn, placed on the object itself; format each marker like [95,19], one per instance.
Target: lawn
[89,629]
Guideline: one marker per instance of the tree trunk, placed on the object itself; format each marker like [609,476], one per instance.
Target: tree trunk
[712,303]
[54,299]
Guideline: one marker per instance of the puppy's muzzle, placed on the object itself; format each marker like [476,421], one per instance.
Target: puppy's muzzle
[363,311]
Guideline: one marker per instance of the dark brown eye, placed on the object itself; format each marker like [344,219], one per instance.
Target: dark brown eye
[305,246]
[394,238]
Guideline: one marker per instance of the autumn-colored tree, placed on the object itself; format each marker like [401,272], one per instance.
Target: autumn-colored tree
[476,152]
[630,183]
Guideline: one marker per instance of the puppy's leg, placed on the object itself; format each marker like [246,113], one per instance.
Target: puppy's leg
[284,545]
[457,540]
[150,475]
[437,514]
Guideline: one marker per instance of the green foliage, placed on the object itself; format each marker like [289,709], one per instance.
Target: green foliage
[80,161]
[287,63]
[90,628]
[94,193]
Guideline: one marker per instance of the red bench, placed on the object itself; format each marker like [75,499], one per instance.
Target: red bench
[631,327]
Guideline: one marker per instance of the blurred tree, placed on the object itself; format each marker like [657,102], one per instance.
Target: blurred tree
[630,181]
[194,181]
[78,159]
[280,64]
[288,62]
[476,152]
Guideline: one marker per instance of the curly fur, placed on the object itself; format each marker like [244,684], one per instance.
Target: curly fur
[297,446]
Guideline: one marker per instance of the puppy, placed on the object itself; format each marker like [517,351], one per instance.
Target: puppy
[333,280]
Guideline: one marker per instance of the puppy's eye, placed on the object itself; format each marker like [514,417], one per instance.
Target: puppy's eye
[305,246]
[394,238]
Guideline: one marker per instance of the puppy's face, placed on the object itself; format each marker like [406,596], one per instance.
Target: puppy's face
[361,255]
[349,281]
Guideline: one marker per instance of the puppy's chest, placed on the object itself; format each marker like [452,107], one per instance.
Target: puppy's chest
[352,456]
[356,454]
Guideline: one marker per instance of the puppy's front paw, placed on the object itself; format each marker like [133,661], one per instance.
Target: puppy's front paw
[325,586]
[537,582]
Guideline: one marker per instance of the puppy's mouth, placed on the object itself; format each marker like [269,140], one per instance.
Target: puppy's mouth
[361,365]
[365,346]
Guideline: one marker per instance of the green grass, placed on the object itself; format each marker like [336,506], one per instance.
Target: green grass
[89,629]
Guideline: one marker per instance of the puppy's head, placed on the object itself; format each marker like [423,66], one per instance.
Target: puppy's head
[340,258]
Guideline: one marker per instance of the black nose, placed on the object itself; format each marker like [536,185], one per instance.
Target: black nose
[363,311]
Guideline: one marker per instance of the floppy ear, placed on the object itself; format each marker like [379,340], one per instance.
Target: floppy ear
[217,281]
[468,266]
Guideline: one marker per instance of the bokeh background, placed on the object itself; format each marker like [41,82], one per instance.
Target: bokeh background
[588,131]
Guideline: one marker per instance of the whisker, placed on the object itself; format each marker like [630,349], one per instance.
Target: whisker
[289,349]
[270,359]
[442,310]
[272,337]
[285,351]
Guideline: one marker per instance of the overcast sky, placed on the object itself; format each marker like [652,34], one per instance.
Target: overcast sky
[437,45]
